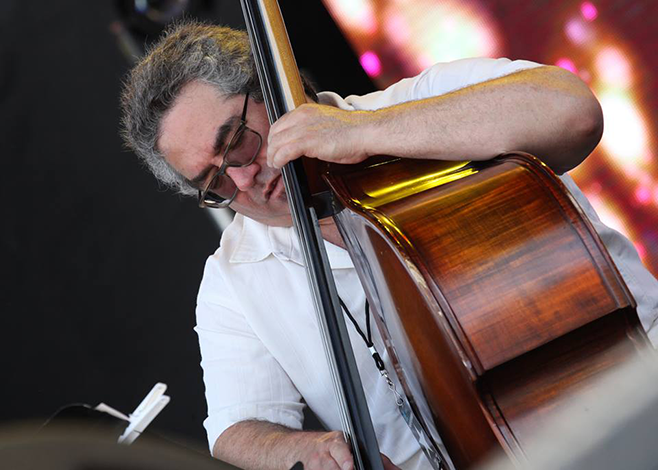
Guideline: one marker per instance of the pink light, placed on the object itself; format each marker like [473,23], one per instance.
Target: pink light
[577,31]
[585,76]
[589,11]
[643,195]
[641,250]
[371,63]
[397,29]
[613,67]
[596,187]
[647,158]
[632,172]
[567,64]
[425,61]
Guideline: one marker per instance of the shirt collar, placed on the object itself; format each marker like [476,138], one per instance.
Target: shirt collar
[257,241]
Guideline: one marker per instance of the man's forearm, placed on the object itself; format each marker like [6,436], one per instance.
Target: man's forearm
[545,111]
[261,445]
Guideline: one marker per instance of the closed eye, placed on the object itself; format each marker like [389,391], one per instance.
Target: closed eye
[223,132]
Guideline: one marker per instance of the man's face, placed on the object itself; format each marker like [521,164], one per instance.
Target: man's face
[189,137]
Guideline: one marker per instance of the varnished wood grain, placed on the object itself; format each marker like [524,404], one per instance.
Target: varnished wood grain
[493,288]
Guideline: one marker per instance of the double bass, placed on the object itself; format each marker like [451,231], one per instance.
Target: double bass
[495,297]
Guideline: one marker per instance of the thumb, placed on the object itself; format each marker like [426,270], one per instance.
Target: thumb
[388,465]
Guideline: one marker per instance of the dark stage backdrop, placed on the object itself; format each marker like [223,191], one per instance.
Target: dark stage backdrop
[100,267]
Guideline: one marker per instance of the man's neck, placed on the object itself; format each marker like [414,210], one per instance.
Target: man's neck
[330,232]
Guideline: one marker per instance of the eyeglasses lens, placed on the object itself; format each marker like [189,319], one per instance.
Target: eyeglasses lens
[242,150]
[243,147]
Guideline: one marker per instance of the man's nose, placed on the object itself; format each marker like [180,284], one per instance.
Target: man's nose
[244,177]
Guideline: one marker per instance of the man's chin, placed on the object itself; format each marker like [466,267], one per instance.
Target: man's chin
[272,213]
[279,221]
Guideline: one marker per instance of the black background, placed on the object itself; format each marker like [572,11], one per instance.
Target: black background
[100,266]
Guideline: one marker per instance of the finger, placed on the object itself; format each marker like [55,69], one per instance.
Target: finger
[291,118]
[342,454]
[280,124]
[388,465]
[279,142]
[286,153]
[282,138]
[322,461]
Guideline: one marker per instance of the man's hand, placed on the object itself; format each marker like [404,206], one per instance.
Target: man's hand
[329,451]
[259,445]
[319,131]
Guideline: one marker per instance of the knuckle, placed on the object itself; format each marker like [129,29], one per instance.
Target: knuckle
[296,147]
[319,461]
[273,137]
[336,435]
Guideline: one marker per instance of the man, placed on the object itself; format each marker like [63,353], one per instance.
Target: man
[193,112]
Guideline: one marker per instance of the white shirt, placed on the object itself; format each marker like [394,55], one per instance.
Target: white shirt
[260,345]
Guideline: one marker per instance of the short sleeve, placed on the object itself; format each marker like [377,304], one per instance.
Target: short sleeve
[243,380]
[440,79]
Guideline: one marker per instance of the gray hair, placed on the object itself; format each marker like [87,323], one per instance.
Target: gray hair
[188,51]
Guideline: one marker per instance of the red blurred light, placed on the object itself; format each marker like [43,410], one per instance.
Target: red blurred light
[577,31]
[567,64]
[643,195]
[371,63]
[589,11]
[641,250]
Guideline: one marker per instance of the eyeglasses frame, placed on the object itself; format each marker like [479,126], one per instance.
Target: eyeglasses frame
[203,199]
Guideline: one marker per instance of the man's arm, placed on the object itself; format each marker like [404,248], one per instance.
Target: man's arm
[545,111]
[260,445]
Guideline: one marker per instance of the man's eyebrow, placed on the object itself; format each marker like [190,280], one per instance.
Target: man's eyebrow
[220,139]
[201,177]
[223,132]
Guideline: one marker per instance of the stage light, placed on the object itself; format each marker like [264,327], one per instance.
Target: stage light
[589,11]
[585,76]
[625,133]
[643,195]
[567,64]
[356,16]
[641,250]
[441,32]
[397,29]
[613,68]
[371,63]
[577,31]
[607,213]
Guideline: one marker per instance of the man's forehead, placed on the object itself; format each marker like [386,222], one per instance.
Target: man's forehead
[191,126]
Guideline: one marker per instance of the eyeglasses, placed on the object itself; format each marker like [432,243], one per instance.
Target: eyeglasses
[242,149]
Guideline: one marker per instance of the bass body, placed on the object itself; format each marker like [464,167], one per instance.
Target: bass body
[494,295]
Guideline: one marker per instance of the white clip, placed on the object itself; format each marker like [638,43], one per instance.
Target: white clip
[145,412]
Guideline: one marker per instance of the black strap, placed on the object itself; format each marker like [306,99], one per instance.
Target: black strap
[367,339]
[429,448]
